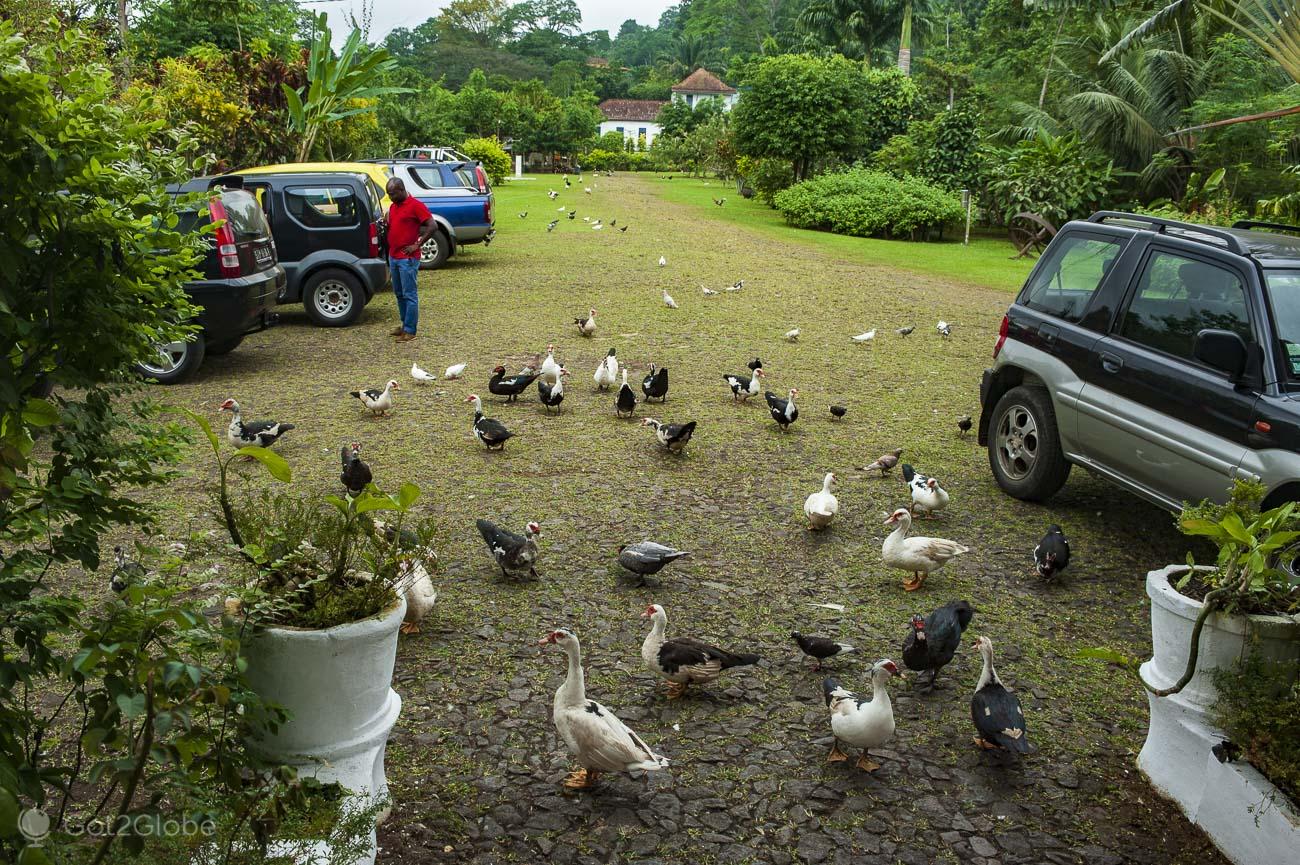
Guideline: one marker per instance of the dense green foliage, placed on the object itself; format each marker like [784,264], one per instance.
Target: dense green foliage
[869,204]
[488,151]
[1057,178]
[1259,710]
[807,110]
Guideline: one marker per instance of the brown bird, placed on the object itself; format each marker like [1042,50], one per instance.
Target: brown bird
[964,425]
[885,462]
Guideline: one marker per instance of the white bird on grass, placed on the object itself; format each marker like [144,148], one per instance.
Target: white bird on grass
[944,328]
[792,335]
[420,375]
[865,337]
[668,300]
[708,292]
[737,285]
[597,226]
[561,208]
[663,262]
[454,371]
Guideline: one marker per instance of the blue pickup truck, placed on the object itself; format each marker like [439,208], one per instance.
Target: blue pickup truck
[458,196]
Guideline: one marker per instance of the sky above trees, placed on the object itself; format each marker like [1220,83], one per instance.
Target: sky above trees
[388,14]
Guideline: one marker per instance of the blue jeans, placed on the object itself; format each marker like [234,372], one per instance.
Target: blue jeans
[404,272]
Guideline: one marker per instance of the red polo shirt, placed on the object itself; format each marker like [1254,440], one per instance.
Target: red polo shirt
[404,221]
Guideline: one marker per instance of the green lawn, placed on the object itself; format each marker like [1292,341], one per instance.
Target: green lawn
[987,261]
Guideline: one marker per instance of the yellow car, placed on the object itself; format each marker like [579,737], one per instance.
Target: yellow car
[379,174]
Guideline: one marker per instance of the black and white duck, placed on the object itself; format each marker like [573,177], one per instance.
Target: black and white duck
[510,387]
[491,432]
[606,374]
[998,718]
[587,326]
[743,387]
[516,555]
[928,497]
[783,411]
[262,433]
[125,572]
[864,724]
[673,436]
[1052,555]
[380,402]
[356,474]
[684,661]
[551,395]
[655,384]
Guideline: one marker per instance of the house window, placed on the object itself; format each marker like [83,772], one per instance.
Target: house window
[618,129]
[641,132]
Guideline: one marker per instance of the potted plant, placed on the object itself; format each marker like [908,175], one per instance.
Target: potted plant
[1205,620]
[325,599]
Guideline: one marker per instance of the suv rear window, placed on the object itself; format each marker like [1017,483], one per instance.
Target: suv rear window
[322,206]
[428,176]
[1177,297]
[244,215]
[1065,282]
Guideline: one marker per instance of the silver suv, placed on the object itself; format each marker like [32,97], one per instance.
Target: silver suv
[1162,355]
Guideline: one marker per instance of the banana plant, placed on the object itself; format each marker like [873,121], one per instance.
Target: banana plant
[337,87]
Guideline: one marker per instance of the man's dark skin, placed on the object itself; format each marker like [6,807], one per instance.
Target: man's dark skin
[397,194]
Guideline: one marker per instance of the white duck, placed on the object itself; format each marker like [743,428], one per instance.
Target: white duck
[865,337]
[668,300]
[864,724]
[421,376]
[607,371]
[416,585]
[662,261]
[708,292]
[592,733]
[927,496]
[792,335]
[380,402]
[918,555]
[550,369]
[822,506]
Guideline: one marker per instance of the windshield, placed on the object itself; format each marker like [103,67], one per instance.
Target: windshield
[1284,293]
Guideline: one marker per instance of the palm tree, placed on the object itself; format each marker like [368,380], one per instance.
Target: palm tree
[1273,25]
[855,28]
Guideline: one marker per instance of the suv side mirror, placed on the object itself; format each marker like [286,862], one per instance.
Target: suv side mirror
[1222,349]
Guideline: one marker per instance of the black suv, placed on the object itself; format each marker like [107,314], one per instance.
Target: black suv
[1161,355]
[239,284]
[326,228]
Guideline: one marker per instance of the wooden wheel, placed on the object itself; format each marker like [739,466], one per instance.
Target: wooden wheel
[1030,233]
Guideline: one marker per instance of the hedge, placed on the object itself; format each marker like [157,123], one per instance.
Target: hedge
[866,203]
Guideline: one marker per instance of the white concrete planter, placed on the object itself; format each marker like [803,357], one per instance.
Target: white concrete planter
[336,685]
[1176,757]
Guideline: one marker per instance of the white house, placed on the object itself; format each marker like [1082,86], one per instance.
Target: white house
[632,118]
[703,84]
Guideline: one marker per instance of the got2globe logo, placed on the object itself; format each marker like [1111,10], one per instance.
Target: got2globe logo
[34,825]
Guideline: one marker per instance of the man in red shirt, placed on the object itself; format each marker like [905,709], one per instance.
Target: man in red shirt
[409,225]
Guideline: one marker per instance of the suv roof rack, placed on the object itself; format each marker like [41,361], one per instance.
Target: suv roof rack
[1275,226]
[1162,226]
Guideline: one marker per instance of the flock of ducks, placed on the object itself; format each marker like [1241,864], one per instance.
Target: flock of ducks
[593,734]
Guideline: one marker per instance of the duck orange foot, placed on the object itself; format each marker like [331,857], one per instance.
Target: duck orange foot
[581,779]
[836,755]
[866,764]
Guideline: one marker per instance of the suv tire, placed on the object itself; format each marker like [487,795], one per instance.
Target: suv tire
[333,297]
[176,362]
[1024,445]
[435,251]
[224,347]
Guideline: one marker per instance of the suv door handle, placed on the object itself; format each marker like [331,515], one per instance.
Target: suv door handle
[1048,333]
[1111,362]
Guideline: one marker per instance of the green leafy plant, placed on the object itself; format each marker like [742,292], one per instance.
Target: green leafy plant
[1253,573]
[488,151]
[1259,710]
[1053,176]
[869,204]
[337,87]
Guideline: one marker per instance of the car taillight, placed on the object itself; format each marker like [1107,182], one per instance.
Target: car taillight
[487,211]
[227,251]
[1002,336]
[374,240]
[481,176]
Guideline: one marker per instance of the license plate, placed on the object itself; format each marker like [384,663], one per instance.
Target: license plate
[262,255]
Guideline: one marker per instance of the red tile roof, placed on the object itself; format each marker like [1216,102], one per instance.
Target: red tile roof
[631,109]
[702,81]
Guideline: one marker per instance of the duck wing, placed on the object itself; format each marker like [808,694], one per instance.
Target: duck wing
[679,433]
[944,628]
[604,741]
[493,430]
[500,541]
[999,719]
[710,653]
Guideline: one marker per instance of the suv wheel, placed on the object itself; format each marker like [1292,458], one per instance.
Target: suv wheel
[435,251]
[175,361]
[333,298]
[1024,446]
